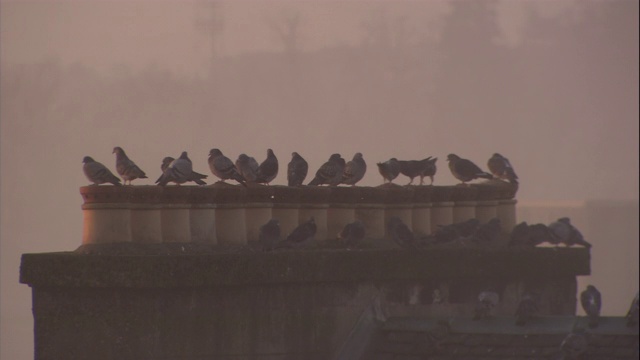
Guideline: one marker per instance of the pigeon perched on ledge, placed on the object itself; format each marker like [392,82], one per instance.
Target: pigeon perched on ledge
[330,172]
[247,166]
[488,232]
[98,173]
[179,171]
[222,167]
[429,169]
[400,233]
[501,168]
[591,302]
[302,236]
[527,307]
[297,170]
[464,170]
[126,168]
[389,170]
[352,234]
[269,234]
[563,232]
[268,169]
[354,170]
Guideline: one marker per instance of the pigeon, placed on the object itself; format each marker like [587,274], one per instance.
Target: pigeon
[464,170]
[352,233]
[247,166]
[389,170]
[465,228]
[269,234]
[591,302]
[501,168]
[410,169]
[487,301]
[520,235]
[563,232]
[489,231]
[126,168]
[222,167]
[330,172]
[268,170]
[98,173]
[632,314]
[527,307]
[539,233]
[429,169]
[354,170]
[179,171]
[400,233]
[574,345]
[302,235]
[296,170]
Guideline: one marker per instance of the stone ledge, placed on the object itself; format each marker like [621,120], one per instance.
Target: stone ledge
[205,266]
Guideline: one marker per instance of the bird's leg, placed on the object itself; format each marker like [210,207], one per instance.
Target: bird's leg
[431,179]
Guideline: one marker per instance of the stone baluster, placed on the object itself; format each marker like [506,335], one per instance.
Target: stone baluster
[441,206]
[370,210]
[146,218]
[174,215]
[487,205]
[106,214]
[230,220]
[507,206]
[314,202]
[286,206]
[259,203]
[421,214]
[464,203]
[202,215]
[342,208]
[398,203]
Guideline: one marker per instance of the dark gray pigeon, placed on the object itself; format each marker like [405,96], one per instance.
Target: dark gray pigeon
[464,170]
[400,233]
[591,302]
[389,170]
[632,314]
[429,169]
[296,170]
[268,170]
[126,168]
[563,232]
[352,234]
[487,301]
[527,308]
[247,167]
[520,235]
[539,233]
[488,232]
[501,168]
[222,167]
[411,169]
[574,345]
[301,236]
[465,228]
[179,171]
[269,234]
[98,173]
[354,170]
[330,172]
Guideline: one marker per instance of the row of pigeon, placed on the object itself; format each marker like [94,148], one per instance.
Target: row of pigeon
[334,172]
[575,344]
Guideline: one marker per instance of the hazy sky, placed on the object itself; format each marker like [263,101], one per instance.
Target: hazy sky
[574,135]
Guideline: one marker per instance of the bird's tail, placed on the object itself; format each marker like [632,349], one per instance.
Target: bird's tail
[199,182]
[485,175]
[237,177]
[314,182]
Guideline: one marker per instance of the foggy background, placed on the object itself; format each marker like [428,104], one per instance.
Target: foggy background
[552,85]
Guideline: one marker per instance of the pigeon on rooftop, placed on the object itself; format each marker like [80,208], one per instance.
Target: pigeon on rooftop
[269,234]
[400,233]
[429,169]
[352,234]
[632,314]
[501,168]
[330,172]
[297,170]
[98,173]
[520,235]
[268,169]
[465,170]
[527,307]
[389,170]
[222,167]
[591,302]
[247,166]
[303,235]
[179,171]
[354,170]
[126,168]
[563,232]
[489,231]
